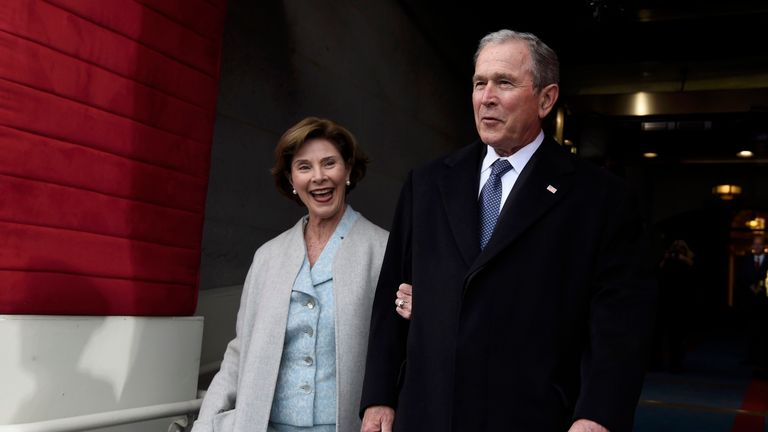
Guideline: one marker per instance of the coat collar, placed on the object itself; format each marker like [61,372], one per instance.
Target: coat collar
[458,188]
[543,183]
[529,199]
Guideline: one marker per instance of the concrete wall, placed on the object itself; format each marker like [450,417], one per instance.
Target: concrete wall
[362,64]
[54,367]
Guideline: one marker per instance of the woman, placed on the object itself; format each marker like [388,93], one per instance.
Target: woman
[296,363]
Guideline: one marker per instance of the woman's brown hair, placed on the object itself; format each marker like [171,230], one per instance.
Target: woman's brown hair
[313,128]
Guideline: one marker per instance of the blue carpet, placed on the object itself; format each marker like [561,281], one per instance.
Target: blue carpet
[660,419]
[703,395]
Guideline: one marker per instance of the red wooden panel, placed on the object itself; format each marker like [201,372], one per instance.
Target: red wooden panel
[202,17]
[63,31]
[49,71]
[44,293]
[80,167]
[150,29]
[106,120]
[41,113]
[33,248]
[95,213]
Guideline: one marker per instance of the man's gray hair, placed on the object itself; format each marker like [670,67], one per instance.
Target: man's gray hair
[545,67]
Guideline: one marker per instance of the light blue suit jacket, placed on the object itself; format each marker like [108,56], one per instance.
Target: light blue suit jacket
[239,398]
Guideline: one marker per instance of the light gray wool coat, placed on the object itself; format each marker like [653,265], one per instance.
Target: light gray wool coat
[239,398]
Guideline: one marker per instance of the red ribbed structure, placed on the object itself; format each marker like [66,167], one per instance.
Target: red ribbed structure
[106,121]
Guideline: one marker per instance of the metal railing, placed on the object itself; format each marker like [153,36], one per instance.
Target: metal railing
[118,417]
[109,418]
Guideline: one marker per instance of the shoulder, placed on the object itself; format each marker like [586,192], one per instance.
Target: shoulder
[464,160]
[280,243]
[362,250]
[473,151]
[592,177]
[588,183]
[601,179]
[365,230]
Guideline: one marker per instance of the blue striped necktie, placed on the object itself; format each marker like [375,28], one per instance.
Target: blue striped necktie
[490,200]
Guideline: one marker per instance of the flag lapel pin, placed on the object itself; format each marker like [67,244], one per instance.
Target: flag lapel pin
[552,189]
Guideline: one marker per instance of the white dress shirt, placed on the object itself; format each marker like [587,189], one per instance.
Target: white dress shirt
[518,160]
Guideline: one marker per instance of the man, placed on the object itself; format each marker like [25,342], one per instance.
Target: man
[755,267]
[538,322]
[753,281]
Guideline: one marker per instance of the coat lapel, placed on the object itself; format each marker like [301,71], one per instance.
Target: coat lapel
[263,336]
[542,183]
[458,188]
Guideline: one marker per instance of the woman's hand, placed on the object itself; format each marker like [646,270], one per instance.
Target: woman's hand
[404,301]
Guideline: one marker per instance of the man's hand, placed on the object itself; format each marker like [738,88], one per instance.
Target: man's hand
[584,425]
[378,418]
[404,301]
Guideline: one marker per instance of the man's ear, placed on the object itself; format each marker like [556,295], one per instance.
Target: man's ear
[547,98]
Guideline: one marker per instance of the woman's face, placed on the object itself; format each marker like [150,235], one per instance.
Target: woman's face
[319,175]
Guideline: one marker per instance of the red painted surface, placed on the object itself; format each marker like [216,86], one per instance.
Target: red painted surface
[106,121]
[755,400]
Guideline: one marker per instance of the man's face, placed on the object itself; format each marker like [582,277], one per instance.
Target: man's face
[758,245]
[507,111]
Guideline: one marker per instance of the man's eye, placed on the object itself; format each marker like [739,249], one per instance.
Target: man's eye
[479,84]
[506,84]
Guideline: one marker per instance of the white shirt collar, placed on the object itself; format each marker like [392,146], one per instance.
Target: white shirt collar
[518,159]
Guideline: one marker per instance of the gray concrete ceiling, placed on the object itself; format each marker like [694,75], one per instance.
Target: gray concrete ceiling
[618,46]
[690,62]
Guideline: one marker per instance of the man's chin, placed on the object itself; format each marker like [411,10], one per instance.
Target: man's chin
[490,139]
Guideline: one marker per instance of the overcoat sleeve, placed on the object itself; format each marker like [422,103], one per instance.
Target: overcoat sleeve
[388,332]
[620,318]
[222,392]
